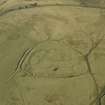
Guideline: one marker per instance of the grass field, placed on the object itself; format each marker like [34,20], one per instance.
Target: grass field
[52,52]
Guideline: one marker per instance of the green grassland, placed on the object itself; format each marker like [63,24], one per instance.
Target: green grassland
[52,52]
